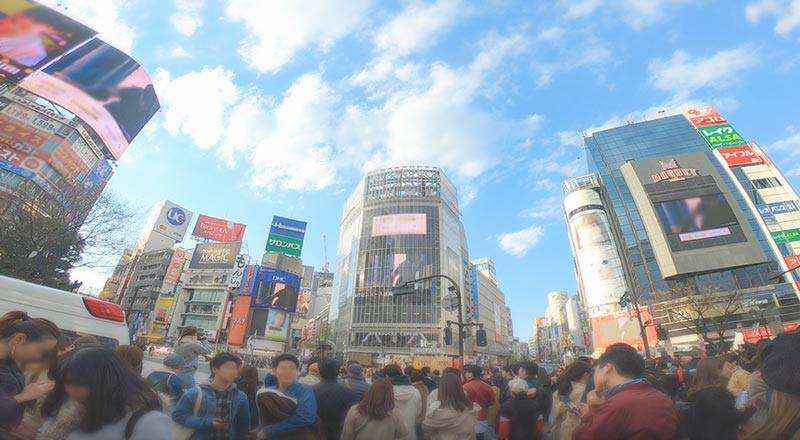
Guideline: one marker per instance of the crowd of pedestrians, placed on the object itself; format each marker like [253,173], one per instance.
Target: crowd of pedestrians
[55,388]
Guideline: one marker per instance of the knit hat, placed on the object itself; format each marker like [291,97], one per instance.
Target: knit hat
[781,365]
[355,370]
[174,361]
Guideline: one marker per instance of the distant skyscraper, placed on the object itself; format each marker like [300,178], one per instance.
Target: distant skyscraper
[399,225]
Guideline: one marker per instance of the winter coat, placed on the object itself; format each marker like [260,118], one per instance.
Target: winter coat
[481,393]
[191,349]
[423,394]
[356,383]
[408,401]
[359,426]
[12,382]
[152,425]
[565,421]
[449,424]
[67,420]
[493,412]
[333,402]
[739,381]
[166,382]
[202,422]
[304,416]
[250,391]
[519,419]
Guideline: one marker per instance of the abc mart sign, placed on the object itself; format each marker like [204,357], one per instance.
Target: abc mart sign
[284,245]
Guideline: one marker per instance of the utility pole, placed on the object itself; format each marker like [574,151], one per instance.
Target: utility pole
[627,299]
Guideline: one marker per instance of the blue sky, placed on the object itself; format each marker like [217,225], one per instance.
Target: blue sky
[278,107]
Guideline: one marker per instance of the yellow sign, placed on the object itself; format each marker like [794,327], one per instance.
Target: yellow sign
[161,316]
[434,362]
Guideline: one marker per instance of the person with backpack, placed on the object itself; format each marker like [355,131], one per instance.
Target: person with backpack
[165,379]
[118,403]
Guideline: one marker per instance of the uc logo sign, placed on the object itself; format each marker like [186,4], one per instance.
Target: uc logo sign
[176,216]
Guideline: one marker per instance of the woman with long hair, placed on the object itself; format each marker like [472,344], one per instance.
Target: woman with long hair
[570,387]
[191,347]
[132,356]
[713,410]
[711,372]
[118,403]
[375,417]
[452,416]
[248,383]
[22,339]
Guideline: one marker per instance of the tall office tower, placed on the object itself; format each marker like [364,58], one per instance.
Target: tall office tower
[399,225]
[489,308]
[684,206]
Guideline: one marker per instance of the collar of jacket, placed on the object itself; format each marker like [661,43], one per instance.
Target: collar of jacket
[400,380]
[356,377]
[607,394]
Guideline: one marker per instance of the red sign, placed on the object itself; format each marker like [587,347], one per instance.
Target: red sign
[705,117]
[793,262]
[21,160]
[218,230]
[239,318]
[738,156]
[621,327]
[176,266]
[69,161]
[15,130]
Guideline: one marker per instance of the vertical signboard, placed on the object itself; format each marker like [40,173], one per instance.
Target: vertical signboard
[248,278]
[239,319]
[286,236]
[476,300]
[175,266]
[277,326]
[498,325]
[237,273]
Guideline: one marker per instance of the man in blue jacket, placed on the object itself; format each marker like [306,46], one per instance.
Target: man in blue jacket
[285,367]
[224,412]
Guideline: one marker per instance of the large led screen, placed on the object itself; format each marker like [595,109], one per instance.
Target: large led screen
[696,218]
[399,224]
[276,289]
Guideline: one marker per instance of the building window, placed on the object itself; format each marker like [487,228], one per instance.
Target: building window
[769,182]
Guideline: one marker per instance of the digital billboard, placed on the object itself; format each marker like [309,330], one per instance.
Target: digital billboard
[720,136]
[740,156]
[276,289]
[399,224]
[170,219]
[218,229]
[277,326]
[175,266]
[622,327]
[696,218]
[32,35]
[704,117]
[215,256]
[104,87]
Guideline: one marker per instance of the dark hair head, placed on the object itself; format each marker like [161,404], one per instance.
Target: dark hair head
[392,370]
[625,359]
[586,359]
[417,376]
[573,373]
[530,367]
[451,393]
[353,362]
[329,368]
[222,359]
[474,370]
[249,374]
[132,356]
[436,372]
[34,329]
[114,389]
[543,378]
[713,415]
[379,400]
[510,369]
[188,331]
[285,357]
[709,374]
[64,342]
[453,370]
[732,358]
[426,370]
[82,341]
[408,370]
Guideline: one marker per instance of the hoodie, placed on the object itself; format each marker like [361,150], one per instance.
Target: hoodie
[191,349]
[449,424]
[408,401]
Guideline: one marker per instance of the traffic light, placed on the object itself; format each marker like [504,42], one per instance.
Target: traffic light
[662,334]
[448,336]
[480,335]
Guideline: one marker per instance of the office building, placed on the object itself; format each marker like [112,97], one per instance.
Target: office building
[399,225]
[678,207]
[489,308]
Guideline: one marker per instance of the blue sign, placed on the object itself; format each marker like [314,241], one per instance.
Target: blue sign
[16,170]
[777,208]
[98,175]
[476,313]
[176,216]
[275,289]
[287,227]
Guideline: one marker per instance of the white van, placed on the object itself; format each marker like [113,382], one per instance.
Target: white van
[74,314]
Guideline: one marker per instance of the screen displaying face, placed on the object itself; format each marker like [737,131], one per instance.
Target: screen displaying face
[696,218]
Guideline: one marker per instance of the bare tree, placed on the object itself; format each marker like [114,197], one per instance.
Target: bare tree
[110,227]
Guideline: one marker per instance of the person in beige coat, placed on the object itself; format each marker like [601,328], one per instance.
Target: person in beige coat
[375,417]
[452,416]
[571,385]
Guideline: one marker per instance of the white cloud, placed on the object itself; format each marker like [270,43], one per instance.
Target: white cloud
[188,16]
[554,33]
[683,74]
[789,145]
[520,242]
[279,29]
[786,13]
[548,208]
[635,13]
[106,17]
[196,103]
[180,52]
[417,26]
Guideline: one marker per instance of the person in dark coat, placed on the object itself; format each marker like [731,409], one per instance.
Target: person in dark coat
[333,399]
[355,380]
[520,417]
[248,383]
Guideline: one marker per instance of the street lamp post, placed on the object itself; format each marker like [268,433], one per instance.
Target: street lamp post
[409,288]
[628,299]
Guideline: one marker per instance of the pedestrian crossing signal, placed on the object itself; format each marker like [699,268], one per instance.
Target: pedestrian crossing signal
[480,335]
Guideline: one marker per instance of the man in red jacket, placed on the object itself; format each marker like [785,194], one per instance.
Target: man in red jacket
[481,393]
[623,405]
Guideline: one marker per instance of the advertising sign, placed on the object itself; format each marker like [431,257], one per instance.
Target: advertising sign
[104,87]
[786,236]
[704,117]
[498,325]
[793,262]
[740,156]
[32,35]
[307,280]
[476,299]
[434,362]
[248,279]
[175,266]
[277,326]
[696,218]
[29,163]
[21,132]
[276,289]
[237,273]
[217,229]
[161,315]
[621,327]
[215,256]
[399,224]
[778,208]
[720,136]
[98,177]
[284,245]
[287,227]
[239,319]
[172,220]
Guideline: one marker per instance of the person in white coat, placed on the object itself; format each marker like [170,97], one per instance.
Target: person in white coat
[452,416]
[407,398]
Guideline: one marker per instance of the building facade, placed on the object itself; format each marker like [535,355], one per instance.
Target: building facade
[492,312]
[676,208]
[399,225]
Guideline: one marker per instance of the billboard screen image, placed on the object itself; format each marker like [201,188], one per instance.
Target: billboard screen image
[696,218]
[276,289]
[277,325]
[215,256]
[217,229]
[239,318]
[105,88]
[621,327]
[399,224]
[32,35]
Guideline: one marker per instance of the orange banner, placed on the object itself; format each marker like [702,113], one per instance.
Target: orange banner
[239,318]
[176,266]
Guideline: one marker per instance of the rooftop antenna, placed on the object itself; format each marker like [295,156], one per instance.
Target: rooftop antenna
[327,265]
